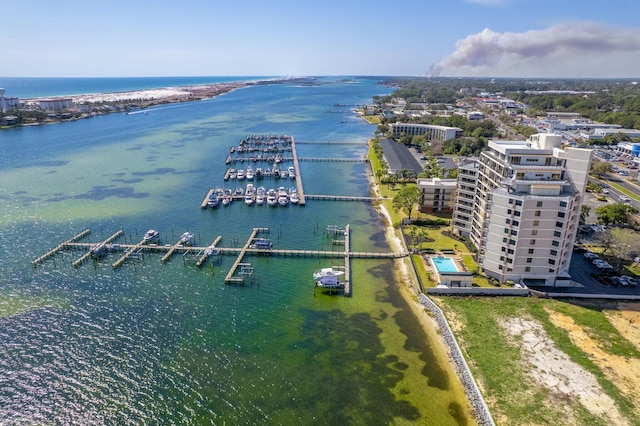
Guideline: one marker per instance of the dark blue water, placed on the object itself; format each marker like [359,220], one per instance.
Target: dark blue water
[172,344]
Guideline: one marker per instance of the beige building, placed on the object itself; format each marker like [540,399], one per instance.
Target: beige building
[437,194]
[56,104]
[432,133]
[527,197]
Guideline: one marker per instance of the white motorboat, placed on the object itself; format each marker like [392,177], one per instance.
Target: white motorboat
[250,174]
[227,197]
[294,197]
[327,272]
[241,175]
[292,172]
[187,238]
[261,195]
[249,194]
[151,235]
[261,244]
[272,197]
[330,281]
[233,174]
[283,196]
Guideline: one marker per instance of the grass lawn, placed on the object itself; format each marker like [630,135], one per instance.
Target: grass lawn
[504,373]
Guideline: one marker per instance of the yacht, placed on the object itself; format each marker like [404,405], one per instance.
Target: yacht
[239,192]
[227,197]
[241,175]
[275,171]
[213,200]
[233,174]
[292,172]
[151,235]
[261,244]
[272,197]
[259,173]
[261,194]
[187,238]
[294,197]
[330,281]
[249,194]
[250,173]
[283,196]
[284,174]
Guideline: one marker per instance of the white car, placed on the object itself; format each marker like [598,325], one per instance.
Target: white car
[590,255]
[627,280]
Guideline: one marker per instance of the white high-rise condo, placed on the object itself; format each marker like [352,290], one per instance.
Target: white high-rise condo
[520,205]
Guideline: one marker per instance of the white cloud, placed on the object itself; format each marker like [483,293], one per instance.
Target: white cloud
[573,49]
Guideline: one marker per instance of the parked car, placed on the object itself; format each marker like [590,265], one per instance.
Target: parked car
[627,280]
[591,255]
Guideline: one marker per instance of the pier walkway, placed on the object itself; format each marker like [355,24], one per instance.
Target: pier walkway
[96,249]
[59,247]
[231,277]
[296,167]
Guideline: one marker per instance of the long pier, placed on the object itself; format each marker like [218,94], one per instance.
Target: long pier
[296,167]
[204,253]
[59,247]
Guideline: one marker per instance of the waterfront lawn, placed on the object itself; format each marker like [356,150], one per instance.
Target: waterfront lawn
[505,376]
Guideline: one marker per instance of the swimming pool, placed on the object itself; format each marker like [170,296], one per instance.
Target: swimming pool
[444,264]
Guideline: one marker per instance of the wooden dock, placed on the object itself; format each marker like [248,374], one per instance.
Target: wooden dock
[172,250]
[296,167]
[231,278]
[344,198]
[205,202]
[204,255]
[87,255]
[59,247]
[347,262]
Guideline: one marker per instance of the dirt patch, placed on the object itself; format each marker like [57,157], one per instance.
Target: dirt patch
[555,371]
[624,372]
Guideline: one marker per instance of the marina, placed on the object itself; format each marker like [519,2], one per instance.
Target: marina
[240,269]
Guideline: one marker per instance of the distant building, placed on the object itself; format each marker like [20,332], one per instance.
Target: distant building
[56,104]
[10,103]
[398,158]
[475,115]
[432,133]
[631,133]
[437,194]
[629,148]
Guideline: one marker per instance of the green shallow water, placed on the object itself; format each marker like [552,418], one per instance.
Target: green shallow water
[168,344]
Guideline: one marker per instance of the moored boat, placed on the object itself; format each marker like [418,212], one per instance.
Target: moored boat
[249,194]
[261,195]
[250,174]
[292,172]
[151,235]
[294,197]
[327,272]
[241,174]
[272,197]
[187,238]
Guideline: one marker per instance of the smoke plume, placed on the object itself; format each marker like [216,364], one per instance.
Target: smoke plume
[576,49]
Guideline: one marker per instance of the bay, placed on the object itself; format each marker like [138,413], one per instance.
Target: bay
[167,344]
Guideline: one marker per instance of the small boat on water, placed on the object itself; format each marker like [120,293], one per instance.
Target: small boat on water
[261,195]
[293,196]
[151,235]
[187,238]
[284,174]
[283,196]
[259,173]
[327,272]
[250,174]
[292,172]
[272,197]
[227,197]
[233,174]
[214,199]
[261,244]
[241,174]
[98,250]
[249,194]
[275,171]
[239,192]
[331,281]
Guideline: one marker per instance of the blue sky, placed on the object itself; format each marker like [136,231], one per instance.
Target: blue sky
[493,38]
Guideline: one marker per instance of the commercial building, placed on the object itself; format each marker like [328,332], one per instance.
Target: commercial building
[398,158]
[437,194]
[432,133]
[523,217]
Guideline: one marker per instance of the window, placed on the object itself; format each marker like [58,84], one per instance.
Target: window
[501,258]
[532,242]
[537,213]
[529,259]
[559,224]
[539,204]
[504,249]
[560,214]
[527,269]
[514,232]
[553,252]
[530,251]
[500,267]
[516,213]
[508,221]
[509,260]
[510,251]
[504,240]
[506,230]
[563,204]
[509,211]
[557,234]
[516,223]
[534,232]
[518,202]
[555,243]
[512,242]
[536,222]
[552,270]
[552,261]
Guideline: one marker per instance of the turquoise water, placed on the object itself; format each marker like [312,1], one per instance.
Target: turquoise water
[444,264]
[172,344]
